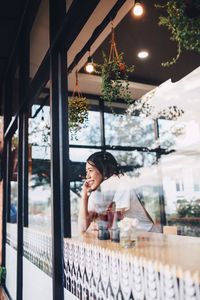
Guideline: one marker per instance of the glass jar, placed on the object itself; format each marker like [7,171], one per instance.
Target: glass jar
[128,237]
[114,234]
[103,232]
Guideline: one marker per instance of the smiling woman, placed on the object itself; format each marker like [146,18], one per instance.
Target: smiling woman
[104,185]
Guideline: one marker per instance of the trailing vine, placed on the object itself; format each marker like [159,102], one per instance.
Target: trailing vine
[183,21]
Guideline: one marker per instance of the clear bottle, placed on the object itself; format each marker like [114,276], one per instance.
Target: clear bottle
[114,231]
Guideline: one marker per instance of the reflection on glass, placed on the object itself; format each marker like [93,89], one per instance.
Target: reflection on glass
[75,196]
[181,173]
[134,164]
[78,158]
[39,169]
[123,130]
[181,184]
[80,155]
[142,169]
[133,160]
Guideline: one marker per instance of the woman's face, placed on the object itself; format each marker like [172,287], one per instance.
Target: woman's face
[93,176]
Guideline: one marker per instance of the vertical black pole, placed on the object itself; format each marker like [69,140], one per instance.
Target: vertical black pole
[59,149]
[64,144]
[22,159]
[6,194]
[20,212]
[25,163]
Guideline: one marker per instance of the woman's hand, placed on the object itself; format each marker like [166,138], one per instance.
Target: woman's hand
[86,188]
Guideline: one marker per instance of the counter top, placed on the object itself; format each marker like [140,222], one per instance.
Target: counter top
[172,250]
[160,266]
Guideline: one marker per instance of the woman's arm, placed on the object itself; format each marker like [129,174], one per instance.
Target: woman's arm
[83,212]
[85,217]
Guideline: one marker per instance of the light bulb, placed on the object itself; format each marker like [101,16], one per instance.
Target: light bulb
[138,9]
[143,54]
[89,67]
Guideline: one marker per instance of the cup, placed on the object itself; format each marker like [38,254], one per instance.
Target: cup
[103,232]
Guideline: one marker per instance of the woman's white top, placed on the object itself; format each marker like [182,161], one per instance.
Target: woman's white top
[119,190]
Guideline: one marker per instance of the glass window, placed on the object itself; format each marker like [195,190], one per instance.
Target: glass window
[39,169]
[178,134]
[142,169]
[122,130]
[80,154]
[37,248]
[89,135]
[78,159]
[181,191]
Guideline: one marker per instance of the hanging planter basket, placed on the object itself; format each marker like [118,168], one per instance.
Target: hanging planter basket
[114,73]
[183,21]
[78,111]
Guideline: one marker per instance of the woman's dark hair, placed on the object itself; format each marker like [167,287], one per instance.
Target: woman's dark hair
[105,163]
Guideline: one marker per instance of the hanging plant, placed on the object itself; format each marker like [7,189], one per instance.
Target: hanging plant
[183,21]
[143,107]
[114,73]
[170,113]
[78,111]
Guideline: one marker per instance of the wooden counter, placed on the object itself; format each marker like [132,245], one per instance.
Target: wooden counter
[172,250]
[159,267]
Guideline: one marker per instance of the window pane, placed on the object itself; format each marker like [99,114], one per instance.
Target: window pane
[80,154]
[39,169]
[122,130]
[89,135]
[181,184]
[78,159]
[181,169]
[142,169]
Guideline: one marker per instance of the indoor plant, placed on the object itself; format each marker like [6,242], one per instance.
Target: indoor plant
[114,73]
[78,114]
[182,20]
[78,111]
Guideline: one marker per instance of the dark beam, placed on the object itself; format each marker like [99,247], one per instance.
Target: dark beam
[98,30]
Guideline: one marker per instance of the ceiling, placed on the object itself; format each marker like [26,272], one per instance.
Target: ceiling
[131,35]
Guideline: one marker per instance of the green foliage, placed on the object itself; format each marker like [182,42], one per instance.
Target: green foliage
[188,208]
[78,114]
[2,274]
[184,25]
[115,84]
